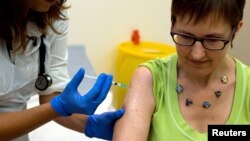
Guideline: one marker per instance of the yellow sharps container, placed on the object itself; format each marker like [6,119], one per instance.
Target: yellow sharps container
[129,56]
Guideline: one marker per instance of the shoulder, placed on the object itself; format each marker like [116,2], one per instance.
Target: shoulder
[142,76]
[161,65]
[60,25]
[243,73]
[158,62]
[240,66]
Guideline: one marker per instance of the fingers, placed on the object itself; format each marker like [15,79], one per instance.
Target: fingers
[106,86]
[77,79]
[100,89]
[95,90]
[117,114]
[111,116]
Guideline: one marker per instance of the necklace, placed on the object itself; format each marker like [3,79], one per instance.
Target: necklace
[206,104]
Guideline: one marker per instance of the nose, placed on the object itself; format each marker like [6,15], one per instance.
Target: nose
[197,50]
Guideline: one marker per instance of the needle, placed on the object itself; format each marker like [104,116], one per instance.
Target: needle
[113,82]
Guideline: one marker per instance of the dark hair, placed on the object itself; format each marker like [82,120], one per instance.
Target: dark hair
[230,11]
[15,15]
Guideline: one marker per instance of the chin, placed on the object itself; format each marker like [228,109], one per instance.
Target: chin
[199,72]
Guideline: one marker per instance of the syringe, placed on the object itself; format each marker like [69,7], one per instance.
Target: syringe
[113,82]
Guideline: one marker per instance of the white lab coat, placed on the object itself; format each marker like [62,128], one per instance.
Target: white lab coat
[17,77]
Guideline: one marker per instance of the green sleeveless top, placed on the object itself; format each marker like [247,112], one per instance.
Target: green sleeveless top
[167,122]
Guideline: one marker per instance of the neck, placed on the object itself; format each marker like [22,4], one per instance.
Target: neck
[224,69]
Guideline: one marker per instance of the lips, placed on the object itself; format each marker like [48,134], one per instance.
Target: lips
[198,62]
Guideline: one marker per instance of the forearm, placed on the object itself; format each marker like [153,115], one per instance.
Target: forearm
[75,122]
[19,123]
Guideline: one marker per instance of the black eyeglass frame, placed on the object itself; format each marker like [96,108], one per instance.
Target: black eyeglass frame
[202,40]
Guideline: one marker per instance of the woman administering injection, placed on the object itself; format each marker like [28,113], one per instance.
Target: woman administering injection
[30,67]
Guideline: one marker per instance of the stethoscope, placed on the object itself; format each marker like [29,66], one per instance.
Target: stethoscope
[43,80]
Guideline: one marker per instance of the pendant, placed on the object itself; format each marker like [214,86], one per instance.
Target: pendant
[179,88]
[217,93]
[188,102]
[206,104]
[224,79]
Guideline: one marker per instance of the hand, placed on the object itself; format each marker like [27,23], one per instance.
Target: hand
[71,101]
[102,126]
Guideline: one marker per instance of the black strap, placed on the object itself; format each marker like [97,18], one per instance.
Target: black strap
[9,47]
[42,52]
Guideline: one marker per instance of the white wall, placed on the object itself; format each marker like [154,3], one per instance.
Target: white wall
[103,24]
[242,42]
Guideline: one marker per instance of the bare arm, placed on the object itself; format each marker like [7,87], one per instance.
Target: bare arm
[139,106]
[75,122]
[16,124]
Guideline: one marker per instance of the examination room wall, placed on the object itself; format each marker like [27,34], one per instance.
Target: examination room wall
[100,25]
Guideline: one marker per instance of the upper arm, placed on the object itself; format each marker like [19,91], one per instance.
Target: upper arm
[139,106]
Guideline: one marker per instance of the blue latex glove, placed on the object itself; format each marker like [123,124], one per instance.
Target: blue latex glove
[102,126]
[71,101]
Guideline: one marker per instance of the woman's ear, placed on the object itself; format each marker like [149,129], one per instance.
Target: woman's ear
[239,26]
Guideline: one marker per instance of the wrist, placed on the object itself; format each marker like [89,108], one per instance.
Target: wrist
[88,128]
[57,106]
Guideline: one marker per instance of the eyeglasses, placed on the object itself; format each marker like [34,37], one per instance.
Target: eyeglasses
[207,43]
